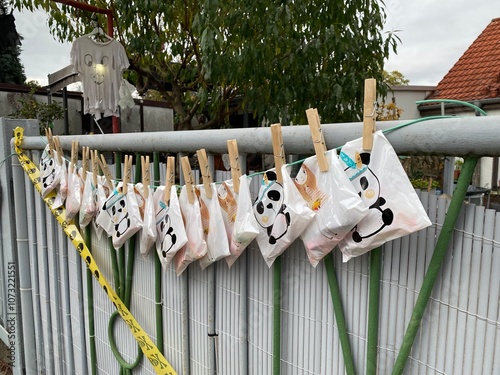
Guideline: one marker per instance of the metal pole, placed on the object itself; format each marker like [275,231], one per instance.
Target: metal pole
[435,264]
[243,272]
[373,311]
[158,268]
[277,316]
[66,298]
[81,314]
[477,136]
[57,237]
[65,107]
[212,289]
[90,305]
[339,315]
[186,355]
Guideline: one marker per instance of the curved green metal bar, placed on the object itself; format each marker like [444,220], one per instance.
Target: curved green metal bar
[339,314]
[112,343]
[90,307]
[158,313]
[435,263]
[373,311]
[125,281]
[453,101]
[277,316]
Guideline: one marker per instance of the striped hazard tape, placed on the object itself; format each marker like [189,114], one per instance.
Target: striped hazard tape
[149,349]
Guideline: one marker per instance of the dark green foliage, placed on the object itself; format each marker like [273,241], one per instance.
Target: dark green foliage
[11,69]
[211,58]
[28,107]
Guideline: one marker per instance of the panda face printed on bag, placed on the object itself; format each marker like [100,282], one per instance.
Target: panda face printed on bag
[367,185]
[48,171]
[165,230]
[269,209]
[118,211]
[167,235]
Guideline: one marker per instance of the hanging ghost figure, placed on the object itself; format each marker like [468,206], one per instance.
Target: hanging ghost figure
[367,185]
[269,209]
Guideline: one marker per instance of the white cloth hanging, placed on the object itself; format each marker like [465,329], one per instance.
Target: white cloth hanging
[100,66]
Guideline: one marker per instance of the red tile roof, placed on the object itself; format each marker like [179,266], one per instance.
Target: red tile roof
[476,75]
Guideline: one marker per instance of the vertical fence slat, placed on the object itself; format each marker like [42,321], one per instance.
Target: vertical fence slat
[492,340]
[436,310]
[463,289]
[384,363]
[483,291]
[473,290]
[451,331]
[50,346]
[32,227]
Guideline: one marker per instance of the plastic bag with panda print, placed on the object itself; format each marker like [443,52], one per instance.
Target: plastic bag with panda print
[282,214]
[122,210]
[148,230]
[171,234]
[196,246]
[241,225]
[215,233]
[332,197]
[394,209]
[74,199]
[50,172]
[88,208]
[101,223]
[62,188]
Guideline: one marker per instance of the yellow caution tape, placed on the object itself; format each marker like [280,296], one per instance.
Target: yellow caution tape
[149,349]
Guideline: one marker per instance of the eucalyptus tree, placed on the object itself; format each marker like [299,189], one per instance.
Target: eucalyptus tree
[274,59]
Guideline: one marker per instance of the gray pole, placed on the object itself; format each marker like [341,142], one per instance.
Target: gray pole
[457,136]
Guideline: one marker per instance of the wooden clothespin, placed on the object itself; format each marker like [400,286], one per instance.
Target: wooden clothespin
[105,170]
[57,144]
[170,178]
[74,151]
[95,165]
[127,172]
[234,162]
[85,161]
[50,140]
[278,150]
[317,138]
[188,178]
[146,175]
[205,171]
[369,113]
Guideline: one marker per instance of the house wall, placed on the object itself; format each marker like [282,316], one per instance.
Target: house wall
[8,100]
[406,96]
[156,115]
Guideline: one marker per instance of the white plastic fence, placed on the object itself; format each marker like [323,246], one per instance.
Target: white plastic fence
[460,332]
[458,335]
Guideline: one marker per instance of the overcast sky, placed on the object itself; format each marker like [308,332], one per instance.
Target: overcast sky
[434,34]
